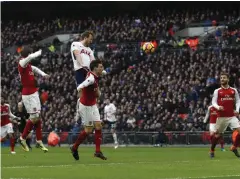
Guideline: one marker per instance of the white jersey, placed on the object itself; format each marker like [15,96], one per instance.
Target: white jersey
[85,53]
[109,112]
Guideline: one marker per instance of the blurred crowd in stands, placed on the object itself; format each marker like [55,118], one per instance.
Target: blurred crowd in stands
[168,90]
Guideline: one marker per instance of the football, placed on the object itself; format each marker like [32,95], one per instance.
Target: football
[148,47]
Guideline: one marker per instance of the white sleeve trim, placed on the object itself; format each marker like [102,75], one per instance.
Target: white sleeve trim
[214,99]
[237,100]
[38,71]
[207,115]
[89,81]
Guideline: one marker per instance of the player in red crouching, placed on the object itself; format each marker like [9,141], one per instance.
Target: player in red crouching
[30,96]
[212,115]
[6,123]
[226,101]
[88,110]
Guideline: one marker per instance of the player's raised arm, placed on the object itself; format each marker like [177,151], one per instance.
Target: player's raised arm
[38,71]
[89,81]
[11,115]
[214,100]
[24,62]
[237,101]
[207,115]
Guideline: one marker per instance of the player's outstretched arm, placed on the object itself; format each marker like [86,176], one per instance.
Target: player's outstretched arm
[89,81]
[38,71]
[11,115]
[214,100]
[207,115]
[24,62]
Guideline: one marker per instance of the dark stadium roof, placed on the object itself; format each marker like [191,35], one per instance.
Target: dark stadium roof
[38,9]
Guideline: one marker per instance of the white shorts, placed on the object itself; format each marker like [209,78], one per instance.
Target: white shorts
[32,103]
[212,127]
[89,114]
[6,130]
[223,122]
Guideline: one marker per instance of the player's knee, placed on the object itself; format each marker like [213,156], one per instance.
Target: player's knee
[98,125]
[10,135]
[88,129]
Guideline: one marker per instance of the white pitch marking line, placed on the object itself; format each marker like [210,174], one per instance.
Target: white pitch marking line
[204,177]
[93,164]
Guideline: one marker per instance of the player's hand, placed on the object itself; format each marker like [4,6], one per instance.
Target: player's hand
[18,118]
[221,108]
[47,76]
[37,54]
[14,121]
[104,73]
[236,113]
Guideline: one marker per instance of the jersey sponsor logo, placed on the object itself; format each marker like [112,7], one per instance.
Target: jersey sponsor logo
[85,52]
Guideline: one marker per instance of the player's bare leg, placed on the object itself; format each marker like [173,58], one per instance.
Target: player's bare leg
[98,140]
[236,142]
[81,137]
[114,138]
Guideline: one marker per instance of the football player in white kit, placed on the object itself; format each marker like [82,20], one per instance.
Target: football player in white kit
[82,55]
[109,116]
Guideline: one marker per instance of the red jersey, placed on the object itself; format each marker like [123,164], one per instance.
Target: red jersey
[5,118]
[228,98]
[27,79]
[213,115]
[89,97]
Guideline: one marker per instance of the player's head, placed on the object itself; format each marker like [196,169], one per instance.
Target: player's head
[87,37]
[2,100]
[96,66]
[224,78]
[107,101]
[26,50]
[20,106]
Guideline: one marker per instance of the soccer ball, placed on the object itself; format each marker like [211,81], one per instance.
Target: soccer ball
[148,47]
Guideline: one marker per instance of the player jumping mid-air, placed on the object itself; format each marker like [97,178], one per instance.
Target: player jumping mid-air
[6,124]
[82,56]
[110,118]
[30,96]
[212,115]
[88,109]
[226,101]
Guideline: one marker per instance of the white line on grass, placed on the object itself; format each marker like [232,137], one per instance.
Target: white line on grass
[92,164]
[203,177]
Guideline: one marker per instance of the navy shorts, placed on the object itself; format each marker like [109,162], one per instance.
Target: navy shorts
[112,125]
[80,75]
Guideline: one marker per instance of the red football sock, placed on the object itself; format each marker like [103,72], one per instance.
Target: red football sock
[214,142]
[12,143]
[81,137]
[38,128]
[27,129]
[98,139]
[236,142]
[221,141]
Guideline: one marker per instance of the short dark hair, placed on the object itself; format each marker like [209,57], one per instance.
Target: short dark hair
[26,50]
[225,74]
[94,64]
[86,34]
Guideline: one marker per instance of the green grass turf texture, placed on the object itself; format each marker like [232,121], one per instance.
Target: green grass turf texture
[122,163]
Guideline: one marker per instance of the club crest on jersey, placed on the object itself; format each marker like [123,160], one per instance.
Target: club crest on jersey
[85,52]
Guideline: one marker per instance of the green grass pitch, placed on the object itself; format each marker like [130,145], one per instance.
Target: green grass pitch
[122,163]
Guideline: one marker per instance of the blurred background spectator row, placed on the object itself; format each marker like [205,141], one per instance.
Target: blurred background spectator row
[167,90]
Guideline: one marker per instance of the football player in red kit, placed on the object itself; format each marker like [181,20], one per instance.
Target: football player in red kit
[89,111]
[226,101]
